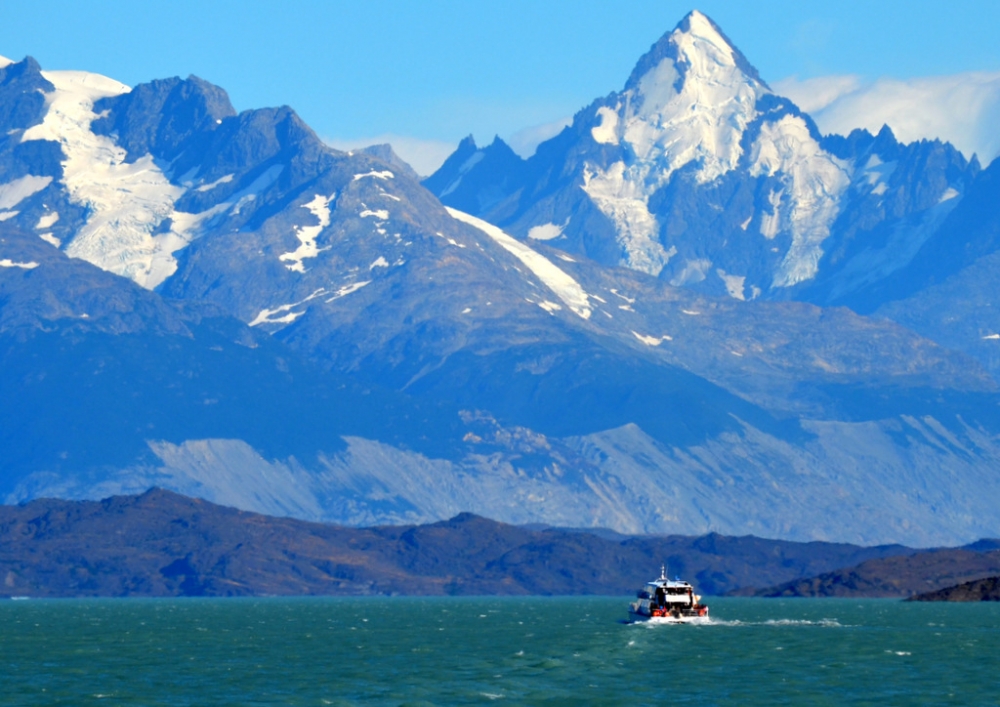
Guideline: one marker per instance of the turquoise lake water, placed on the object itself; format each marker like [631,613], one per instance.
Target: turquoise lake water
[461,651]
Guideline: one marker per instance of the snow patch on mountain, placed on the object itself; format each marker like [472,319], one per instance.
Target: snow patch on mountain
[451,241]
[619,295]
[8,263]
[625,200]
[547,231]
[218,182]
[770,221]
[348,289]
[288,313]
[320,208]
[875,175]
[386,174]
[564,286]
[267,316]
[4,61]
[287,316]
[606,132]
[949,194]
[734,284]
[185,226]
[652,340]
[50,239]
[48,220]
[813,183]
[125,202]
[235,203]
[694,270]
[14,192]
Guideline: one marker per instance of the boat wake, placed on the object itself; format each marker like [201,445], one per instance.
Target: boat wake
[709,621]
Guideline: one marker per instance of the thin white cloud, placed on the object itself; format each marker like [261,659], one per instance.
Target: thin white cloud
[963,109]
[425,156]
[812,95]
[525,141]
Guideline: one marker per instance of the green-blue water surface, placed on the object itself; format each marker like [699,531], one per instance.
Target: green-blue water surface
[459,651]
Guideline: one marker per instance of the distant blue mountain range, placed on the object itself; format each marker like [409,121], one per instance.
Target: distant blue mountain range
[688,312]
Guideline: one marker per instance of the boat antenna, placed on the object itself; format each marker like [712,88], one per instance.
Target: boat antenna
[663,571]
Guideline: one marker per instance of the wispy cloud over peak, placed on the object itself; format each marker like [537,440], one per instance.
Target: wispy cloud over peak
[963,109]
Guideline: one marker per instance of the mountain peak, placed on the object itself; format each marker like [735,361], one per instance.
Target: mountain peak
[695,45]
[688,101]
[696,24]
[689,98]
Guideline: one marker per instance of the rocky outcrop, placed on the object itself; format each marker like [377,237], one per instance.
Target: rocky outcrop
[987,589]
[928,573]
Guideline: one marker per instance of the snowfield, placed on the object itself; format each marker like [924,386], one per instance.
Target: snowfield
[564,286]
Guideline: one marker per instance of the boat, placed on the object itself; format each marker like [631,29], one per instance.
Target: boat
[667,601]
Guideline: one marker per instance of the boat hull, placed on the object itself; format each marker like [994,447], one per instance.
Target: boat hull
[657,620]
[635,617]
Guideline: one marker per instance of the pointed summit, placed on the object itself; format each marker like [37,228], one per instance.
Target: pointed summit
[461,177]
[689,98]
[697,44]
[688,101]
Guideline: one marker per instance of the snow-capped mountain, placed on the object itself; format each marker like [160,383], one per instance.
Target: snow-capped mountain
[698,173]
[300,330]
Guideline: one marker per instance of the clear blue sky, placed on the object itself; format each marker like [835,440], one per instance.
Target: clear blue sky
[438,70]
